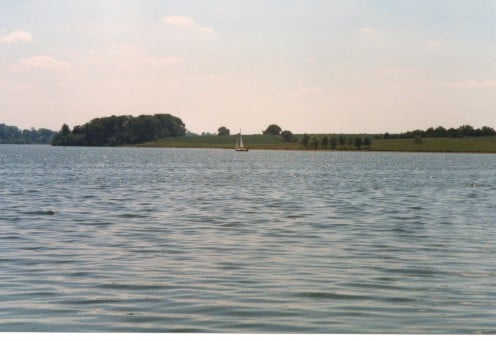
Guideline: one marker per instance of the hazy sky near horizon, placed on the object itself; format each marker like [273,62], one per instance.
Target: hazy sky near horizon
[309,66]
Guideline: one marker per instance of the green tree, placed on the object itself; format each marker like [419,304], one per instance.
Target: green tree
[314,142]
[466,130]
[452,132]
[45,135]
[223,131]
[342,141]
[367,141]
[350,141]
[95,133]
[65,131]
[272,129]
[64,137]
[324,142]
[440,132]
[357,142]
[488,131]
[333,142]
[288,136]
[305,140]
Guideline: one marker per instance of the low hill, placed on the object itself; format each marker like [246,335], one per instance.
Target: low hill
[222,141]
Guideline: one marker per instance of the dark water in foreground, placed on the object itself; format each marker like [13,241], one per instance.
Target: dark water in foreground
[169,240]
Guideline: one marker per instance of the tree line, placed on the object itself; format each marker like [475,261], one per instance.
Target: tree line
[462,131]
[14,135]
[342,142]
[119,130]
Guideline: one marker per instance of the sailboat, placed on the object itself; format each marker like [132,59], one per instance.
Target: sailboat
[239,144]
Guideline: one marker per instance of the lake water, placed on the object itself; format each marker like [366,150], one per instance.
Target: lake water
[170,240]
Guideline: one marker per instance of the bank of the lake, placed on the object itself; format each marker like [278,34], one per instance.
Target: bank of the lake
[429,144]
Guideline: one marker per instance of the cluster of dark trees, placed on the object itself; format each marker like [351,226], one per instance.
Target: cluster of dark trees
[272,129]
[119,130]
[286,135]
[14,135]
[335,142]
[223,131]
[462,131]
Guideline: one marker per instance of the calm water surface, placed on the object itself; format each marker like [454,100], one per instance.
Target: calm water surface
[169,240]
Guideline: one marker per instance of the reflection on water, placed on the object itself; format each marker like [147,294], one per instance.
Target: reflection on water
[168,240]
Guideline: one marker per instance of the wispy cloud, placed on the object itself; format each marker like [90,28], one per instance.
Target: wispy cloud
[310,90]
[135,55]
[44,62]
[118,59]
[434,44]
[166,60]
[186,23]
[16,36]
[216,77]
[472,84]
[367,31]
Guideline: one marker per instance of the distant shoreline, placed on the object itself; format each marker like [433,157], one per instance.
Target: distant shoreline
[164,144]
[323,150]
[477,145]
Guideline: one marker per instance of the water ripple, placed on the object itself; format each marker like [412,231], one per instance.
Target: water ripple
[154,240]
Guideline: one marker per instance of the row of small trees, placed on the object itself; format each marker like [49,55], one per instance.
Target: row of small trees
[461,131]
[335,142]
[464,130]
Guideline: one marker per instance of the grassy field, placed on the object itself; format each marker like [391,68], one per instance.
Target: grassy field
[466,144]
[215,141]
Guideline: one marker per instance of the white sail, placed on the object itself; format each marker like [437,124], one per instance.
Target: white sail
[241,141]
[239,144]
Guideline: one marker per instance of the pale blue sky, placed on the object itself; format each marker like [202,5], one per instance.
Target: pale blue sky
[309,66]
